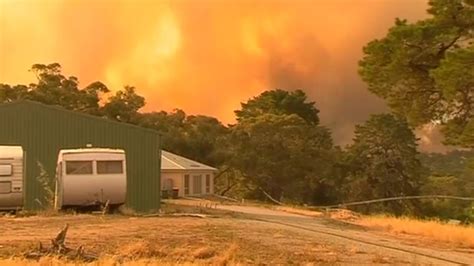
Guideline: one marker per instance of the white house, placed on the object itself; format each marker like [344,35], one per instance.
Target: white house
[189,177]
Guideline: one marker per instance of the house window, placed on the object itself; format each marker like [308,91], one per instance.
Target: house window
[109,167]
[197,184]
[208,184]
[6,170]
[186,184]
[79,167]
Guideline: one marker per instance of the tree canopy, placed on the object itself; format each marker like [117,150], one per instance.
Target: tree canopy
[281,148]
[280,102]
[124,105]
[384,160]
[56,89]
[425,69]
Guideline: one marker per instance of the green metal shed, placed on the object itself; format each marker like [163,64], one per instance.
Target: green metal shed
[43,130]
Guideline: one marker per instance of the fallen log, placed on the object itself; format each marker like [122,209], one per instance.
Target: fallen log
[194,215]
[270,197]
[58,248]
[225,198]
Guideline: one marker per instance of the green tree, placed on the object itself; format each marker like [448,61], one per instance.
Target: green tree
[383,161]
[424,69]
[170,125]
[449,174]
[280,102]
[54,88]
[197,137]
[206,139]
[124,105]
[12,93]
[279,153]
[278,147]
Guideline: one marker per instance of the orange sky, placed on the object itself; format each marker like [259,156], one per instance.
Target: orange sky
[206,56]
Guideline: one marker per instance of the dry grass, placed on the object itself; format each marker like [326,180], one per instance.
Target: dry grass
[140,249]
[121,240]
[462,236]
[141,253]
[343,214]
[298,210]
[52,261]
[228,256]
[204,253]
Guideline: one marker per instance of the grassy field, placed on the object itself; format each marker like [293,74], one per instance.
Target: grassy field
[219,239]
[458,235]
[425,230]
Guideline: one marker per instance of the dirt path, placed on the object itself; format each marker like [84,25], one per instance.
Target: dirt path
[364,240]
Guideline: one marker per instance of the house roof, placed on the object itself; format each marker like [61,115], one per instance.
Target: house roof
[171,161]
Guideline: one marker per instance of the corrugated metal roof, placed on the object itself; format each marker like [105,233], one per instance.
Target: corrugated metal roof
[76,113]
[171,161]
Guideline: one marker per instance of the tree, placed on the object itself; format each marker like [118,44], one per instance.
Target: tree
[11,94]
[449,174]
[53,88]
[124,105]
[206,139]
[280,102]
[170,125]
[197,137]
[279,154]
[278,147]
[383,161]
[424,69]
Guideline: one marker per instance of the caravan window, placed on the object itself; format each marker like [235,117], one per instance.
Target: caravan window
[110,167]
[6,170]
[79,167]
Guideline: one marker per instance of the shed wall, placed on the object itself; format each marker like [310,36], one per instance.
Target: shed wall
[43,130]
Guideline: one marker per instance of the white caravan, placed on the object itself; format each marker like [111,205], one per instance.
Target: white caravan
[90,176]
[11,177]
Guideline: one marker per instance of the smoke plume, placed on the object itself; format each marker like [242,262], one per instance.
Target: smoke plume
[207,56]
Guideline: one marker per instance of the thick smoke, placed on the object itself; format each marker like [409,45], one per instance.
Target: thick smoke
[207,56]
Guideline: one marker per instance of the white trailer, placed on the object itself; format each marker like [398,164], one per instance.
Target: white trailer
[11,177]
[90,176]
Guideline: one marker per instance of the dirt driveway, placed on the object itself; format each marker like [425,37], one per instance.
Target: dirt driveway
[336,233]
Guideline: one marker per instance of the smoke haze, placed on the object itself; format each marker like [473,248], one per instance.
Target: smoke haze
[207,56]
